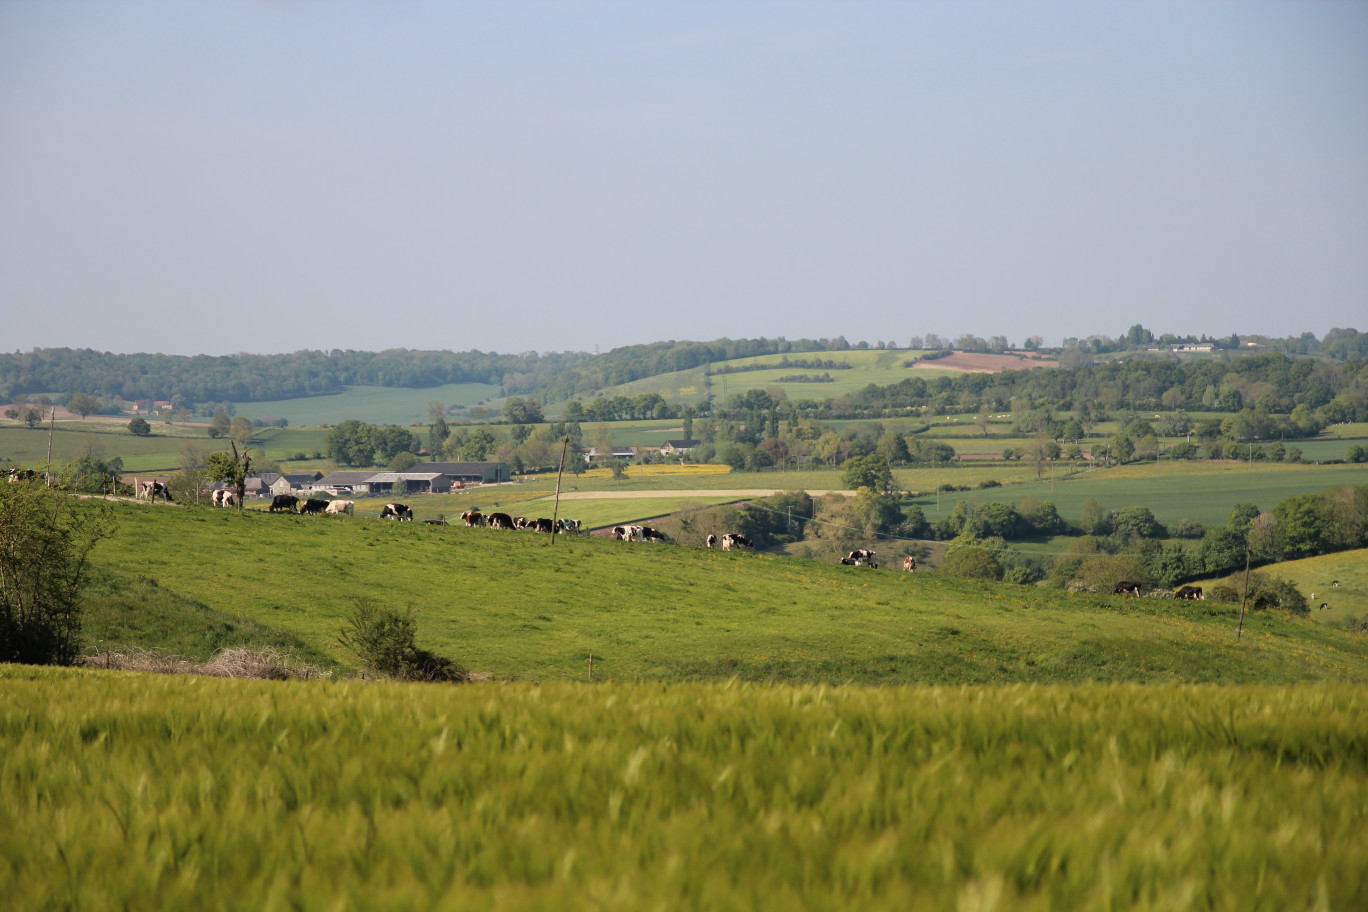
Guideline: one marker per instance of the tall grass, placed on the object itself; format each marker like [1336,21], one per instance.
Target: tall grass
[126,791]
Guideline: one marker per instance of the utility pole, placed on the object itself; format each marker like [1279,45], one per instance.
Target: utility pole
[1244,598]
[47,469]
[555,520]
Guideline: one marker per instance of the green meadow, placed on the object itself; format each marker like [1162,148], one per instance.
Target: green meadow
[373,404]
[517,606]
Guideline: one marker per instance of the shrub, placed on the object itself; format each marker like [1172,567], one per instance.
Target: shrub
[972,563]
[383,640]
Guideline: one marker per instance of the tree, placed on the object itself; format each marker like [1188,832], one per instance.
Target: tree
[437,411]
[45,542]
[231,469]
[220,425]
[33,417]
[350,443]
[868,472]
[522,411]
[241,431]
[139,428]
[479,443]
[83,405]
[403,461]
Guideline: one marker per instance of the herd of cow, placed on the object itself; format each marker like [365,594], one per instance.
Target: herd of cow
[1130,587]
[288,503]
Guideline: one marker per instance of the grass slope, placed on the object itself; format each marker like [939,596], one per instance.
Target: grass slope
[123,791]
[374,404]
[518,607]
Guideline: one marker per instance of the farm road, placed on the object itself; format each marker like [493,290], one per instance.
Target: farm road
[692,492]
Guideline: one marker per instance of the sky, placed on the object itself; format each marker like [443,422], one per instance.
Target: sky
[275,175]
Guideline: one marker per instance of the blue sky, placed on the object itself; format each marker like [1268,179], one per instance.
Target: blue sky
[265,175]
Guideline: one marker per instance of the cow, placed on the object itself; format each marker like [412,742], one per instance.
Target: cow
[1334,584]
[439,521]
[1127,587]
[152,490]
[313,506]
[909,564]
[861,557]
[624,533]
[1189,592]
[1324,606]
[735,540]
[500,521]
[473,518]
[342,506]
[847,561]
[652,535]
[711,540]
[570,526]
[541,525]
[286,502]
[17,475]
[224,498]
[397,511]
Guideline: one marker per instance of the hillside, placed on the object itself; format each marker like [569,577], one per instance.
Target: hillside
[518,607]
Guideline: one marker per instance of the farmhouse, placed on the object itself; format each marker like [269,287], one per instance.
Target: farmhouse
[294,482]
[678,447]
[427,478]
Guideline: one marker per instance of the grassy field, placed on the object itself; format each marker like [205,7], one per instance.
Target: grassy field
[516,606]
[1347,603]
[374,404]
[150,792]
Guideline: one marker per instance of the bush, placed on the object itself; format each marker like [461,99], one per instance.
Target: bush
[45,541]
[972,563]
[383,640]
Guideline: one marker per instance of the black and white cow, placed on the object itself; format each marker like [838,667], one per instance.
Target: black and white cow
[541,525]
[624,533]
[397,511]
[735,540]
[286,502]
[1127,587]
[154,489]
[1189,592]
[652,535]
[711,540]
[500,521]
[570,526]
[861,557]
[224,498]
[17,475]
[313,506]
[342,506]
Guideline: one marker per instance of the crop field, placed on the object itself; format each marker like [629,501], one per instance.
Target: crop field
[516,606]
[374,404]
[1201,491]
[151,792]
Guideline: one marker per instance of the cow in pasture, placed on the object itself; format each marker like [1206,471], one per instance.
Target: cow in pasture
[570,526]
[1127,587]
[17,475]
[909,564]
[500,521]
[224,498]
[1334,584]
[624,533]
[287,502]
[711,540]
[397,511]
[473,518]
[540,525]
[1324,606]
[861,557]
[736,540]
[652,535]
[313,506]
[152,490]
[342,506]
[847,561]
[1189,592]
[439,521]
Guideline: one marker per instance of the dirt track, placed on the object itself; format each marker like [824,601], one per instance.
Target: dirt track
[694,492]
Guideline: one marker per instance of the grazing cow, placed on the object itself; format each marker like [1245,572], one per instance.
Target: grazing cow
[1127,587]
[1334,584]
[848,561]
[313,506]
[1189,592]
[441,521]
[1324,606]
[284,502]
[398,512]
[570,526]
[735,540]
[909,564]
[862,557]
[652,535]
[16,475]
[541,525]
[473,518]
[623,533]
[153,489]
[342,506]
[224,498]
[712,540]
[499,521]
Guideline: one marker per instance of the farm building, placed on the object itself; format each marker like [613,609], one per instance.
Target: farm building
[678,447]
[343,483]
[409,483]
[470,472]
[294,482]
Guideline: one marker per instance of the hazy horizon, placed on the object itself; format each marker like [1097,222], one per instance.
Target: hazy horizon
[225,177]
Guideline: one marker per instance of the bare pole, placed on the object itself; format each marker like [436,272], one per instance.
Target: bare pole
[47,469]
[555,509]
[1244,597]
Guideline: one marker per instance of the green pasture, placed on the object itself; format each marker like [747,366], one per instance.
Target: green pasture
[373,404]
[127,791]
[517,606]
[1201,491]
[1347,603]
